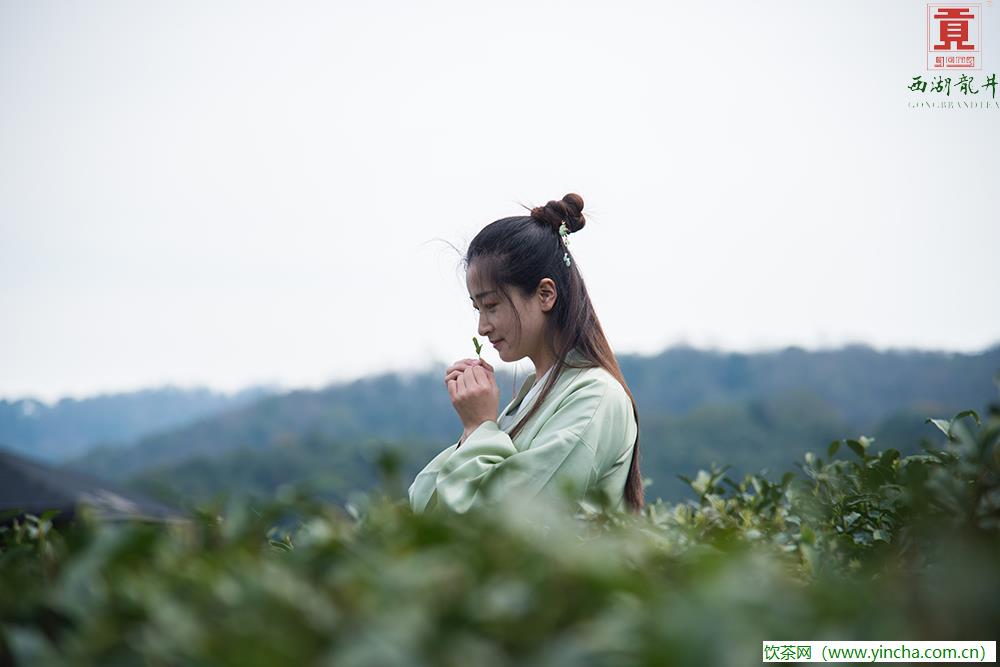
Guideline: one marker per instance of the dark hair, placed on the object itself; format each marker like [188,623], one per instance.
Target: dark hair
[521,251]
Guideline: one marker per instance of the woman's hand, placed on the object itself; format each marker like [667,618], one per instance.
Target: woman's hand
[474,392]
[459,366]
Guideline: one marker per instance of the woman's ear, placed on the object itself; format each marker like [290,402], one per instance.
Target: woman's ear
[547,294]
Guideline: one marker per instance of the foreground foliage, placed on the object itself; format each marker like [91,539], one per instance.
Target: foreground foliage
[869,545]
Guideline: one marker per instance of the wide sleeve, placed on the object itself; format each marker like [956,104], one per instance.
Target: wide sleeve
[422,491]
[488,468]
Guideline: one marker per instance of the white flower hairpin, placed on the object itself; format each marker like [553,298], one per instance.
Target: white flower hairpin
[564,233]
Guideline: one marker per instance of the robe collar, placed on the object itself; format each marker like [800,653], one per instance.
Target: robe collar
[573,355]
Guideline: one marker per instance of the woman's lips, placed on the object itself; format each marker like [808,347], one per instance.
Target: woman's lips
[496,343]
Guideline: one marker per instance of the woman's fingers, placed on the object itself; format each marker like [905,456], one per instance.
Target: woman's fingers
[458,365]
[454,374]
[457,368]
[475,377]
[480,375]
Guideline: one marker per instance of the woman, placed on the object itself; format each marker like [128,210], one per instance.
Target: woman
[575,429]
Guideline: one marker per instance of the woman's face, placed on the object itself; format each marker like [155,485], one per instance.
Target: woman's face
[498,323]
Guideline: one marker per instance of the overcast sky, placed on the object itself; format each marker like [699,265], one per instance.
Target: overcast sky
[231,193]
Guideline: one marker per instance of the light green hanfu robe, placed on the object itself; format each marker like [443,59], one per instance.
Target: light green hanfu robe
[582,436]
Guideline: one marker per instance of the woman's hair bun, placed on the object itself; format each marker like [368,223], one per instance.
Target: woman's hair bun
[569,209]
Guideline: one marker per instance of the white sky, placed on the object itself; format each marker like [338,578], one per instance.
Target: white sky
[228,193]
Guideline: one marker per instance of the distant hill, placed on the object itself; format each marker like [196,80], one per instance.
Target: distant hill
[70,427]
[748,436]
[747,410]
[863,384]
[386,406]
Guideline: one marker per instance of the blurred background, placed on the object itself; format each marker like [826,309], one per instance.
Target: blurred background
[228,231]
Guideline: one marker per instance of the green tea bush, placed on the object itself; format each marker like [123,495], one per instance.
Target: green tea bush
[869,546]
